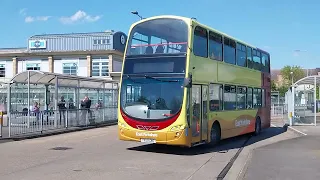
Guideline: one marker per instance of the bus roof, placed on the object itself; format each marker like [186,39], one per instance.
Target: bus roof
[189,20]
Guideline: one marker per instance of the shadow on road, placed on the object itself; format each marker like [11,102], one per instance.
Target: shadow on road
[223,147]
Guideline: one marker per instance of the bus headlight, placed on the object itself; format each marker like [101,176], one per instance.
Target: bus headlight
[122,125]
[178,127]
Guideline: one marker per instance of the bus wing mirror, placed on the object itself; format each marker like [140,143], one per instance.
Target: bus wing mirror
[188,82]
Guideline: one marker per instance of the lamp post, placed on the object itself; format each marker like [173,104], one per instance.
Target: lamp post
[136,13]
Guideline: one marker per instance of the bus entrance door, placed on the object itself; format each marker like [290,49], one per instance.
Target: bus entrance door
[204,119]
[199,113]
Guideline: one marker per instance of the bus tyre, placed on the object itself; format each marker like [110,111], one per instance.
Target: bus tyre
[215,134]
[257,127]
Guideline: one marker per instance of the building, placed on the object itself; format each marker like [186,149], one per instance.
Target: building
[97,54]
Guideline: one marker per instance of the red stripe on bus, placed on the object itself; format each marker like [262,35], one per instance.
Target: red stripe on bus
[140,45]
[161,125]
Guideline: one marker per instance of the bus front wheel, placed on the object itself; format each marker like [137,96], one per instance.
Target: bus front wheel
[215,134]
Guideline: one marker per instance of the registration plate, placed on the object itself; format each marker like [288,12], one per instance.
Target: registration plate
[148,140]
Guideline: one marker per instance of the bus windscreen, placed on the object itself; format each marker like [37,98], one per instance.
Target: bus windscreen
[158,36]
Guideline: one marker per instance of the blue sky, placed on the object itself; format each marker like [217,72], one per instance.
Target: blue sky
[279,27]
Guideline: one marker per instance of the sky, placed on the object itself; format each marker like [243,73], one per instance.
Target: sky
[287,29]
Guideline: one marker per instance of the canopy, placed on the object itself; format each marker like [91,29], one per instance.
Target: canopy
[308,80]
[40,77]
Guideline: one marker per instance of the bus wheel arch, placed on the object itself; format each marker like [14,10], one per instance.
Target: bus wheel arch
[215,133]
[257,126]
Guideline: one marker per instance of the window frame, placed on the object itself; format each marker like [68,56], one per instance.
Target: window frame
[235,105]
[198,29]
[3,69]
[217,38]
[242,48]
[221,97]
[76,65]
[230,43]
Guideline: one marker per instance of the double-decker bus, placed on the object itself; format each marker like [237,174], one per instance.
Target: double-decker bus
[184,83]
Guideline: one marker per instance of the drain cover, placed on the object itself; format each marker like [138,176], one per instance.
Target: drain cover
[61,148]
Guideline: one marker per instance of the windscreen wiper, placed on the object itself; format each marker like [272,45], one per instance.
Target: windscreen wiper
[161,80]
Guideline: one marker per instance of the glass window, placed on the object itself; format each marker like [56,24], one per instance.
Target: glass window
[241,55]
[249,57]
[229,97]
[163,35]
[137,65]
[257,97]
[100,67]
[229,51]
[147,99]
[263,94]
[70,68]
[241,97]
[265,62]
[215,46]
[200,42]
[249,98]
[215,95]
[256,60]
[33,66]
[2,70]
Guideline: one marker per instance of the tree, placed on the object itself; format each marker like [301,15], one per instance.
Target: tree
[282,90]
[297,73]
[273,85]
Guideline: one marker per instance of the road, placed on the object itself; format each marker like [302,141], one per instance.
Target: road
[98,154]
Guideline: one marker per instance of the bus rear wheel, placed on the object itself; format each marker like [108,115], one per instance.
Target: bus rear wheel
[215,134]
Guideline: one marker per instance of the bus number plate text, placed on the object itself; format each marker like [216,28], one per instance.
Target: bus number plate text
[148,141]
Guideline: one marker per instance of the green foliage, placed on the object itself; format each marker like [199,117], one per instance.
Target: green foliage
[283,89]
[297,73]
[273,86]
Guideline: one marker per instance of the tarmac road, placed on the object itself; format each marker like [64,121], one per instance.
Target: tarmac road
[98,154]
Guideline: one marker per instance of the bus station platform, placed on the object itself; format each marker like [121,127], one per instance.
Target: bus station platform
[41,103]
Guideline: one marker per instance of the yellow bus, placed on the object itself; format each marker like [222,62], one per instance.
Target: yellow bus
[186,84]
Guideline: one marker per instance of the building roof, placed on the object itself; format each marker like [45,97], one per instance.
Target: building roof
[40,77]
[13,50]
[102,33]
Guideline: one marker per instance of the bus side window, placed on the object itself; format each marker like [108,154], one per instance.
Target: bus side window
[215,97]
[249,98]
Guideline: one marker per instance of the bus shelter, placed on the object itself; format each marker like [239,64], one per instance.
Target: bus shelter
[41,101]
[304,101]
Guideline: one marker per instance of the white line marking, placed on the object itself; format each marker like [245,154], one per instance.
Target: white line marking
[292,129]
[297,130]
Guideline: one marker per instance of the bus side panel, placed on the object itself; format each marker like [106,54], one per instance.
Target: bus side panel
[234,123]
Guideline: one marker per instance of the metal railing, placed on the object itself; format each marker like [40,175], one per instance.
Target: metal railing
[20,123]
[278,110]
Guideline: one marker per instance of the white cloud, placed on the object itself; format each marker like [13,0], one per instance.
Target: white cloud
[30,19]
[79,16]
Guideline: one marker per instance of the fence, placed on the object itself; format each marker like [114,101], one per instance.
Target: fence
[279,111]
[19,123]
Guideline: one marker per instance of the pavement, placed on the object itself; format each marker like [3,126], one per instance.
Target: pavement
[98,154]
[293,158]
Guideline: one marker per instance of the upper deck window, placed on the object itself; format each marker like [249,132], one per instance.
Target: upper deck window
[200,42]
[158,36]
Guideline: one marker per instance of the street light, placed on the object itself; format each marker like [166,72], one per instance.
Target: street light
[136,13]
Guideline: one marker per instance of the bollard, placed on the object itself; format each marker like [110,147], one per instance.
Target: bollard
[1,123]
